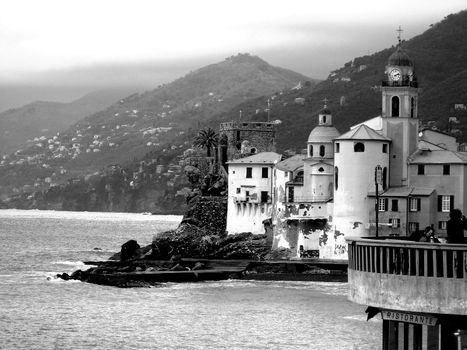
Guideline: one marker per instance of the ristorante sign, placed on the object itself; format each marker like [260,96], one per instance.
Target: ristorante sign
[408,317]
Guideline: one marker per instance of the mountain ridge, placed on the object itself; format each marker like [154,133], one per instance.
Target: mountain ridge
[19,124]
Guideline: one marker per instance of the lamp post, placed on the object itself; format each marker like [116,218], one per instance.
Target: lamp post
[378,181]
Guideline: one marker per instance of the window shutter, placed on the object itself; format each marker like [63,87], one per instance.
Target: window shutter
[440,202]
[385,204]
[451,204]
[418,204]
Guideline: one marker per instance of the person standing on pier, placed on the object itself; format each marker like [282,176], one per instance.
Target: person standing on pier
[456,226]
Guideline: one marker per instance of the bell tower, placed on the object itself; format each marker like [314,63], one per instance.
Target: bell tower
[399,112]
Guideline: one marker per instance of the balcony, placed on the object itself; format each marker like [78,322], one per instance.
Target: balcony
[404,82]
[404,275]
[306,199]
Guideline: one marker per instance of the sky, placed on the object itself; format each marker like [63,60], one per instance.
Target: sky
[86,44]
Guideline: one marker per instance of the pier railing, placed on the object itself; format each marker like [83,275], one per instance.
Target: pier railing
[400,274]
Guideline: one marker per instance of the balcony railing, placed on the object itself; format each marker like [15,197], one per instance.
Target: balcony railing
[414,276]
[305,199]
[400,83]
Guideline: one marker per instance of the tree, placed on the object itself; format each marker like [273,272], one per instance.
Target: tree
[206,138]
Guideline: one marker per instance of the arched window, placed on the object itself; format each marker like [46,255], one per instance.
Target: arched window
[324,119]
[299,176]
[385,176]
[310,150]
[359,147]
[412,107]
[395,106]
[321,169]
[336,177]
[321,151]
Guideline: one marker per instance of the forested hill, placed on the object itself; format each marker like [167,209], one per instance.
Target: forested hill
[157,126]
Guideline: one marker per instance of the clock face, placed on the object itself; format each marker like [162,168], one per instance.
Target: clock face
[395,74]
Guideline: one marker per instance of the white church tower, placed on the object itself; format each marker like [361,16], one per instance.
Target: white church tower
[399,113]
[319,163]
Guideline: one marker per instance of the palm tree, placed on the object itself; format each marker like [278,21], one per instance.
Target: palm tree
[206,138]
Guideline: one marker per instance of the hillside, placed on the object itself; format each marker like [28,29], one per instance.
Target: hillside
[158,126]
[42,118]
[160,123]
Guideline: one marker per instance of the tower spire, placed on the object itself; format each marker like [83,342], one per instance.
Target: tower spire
[399,32]
[325,100]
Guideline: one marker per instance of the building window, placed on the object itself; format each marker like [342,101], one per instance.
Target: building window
[321,151]
[264,196]
[394,205]
[249,173]
[324,119]
[414,227]
[291,194]
[336,177]
[395,106]
[442,225]
[310,149]
[247,195]
[412,107]
[359,147]
[264,173]
[414,204]
[395,223]
[385,176]
[383,204]
[445,203]
[238,190]
[385,148]
[338,146]
[321,169]
[446,169]
[421,169]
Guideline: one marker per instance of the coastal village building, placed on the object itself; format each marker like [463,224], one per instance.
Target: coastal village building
[315,200]
[250,192]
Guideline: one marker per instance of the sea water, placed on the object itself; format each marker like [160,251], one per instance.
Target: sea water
[38,311]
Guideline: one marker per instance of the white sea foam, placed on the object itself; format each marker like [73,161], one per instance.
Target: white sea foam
[362,317]
[93,216]
[72,263]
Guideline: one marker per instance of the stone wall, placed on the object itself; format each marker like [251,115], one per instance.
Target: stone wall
[209,213]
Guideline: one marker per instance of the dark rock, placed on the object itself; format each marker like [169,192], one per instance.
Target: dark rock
[77,275]
[175,258]
[129,250]
[64,276]
[191,221]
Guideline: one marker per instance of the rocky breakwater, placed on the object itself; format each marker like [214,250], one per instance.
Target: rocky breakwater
[198,249]
[187,254]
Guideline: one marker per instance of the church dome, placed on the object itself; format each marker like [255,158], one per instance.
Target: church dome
[323,133]
[399,58]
